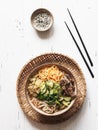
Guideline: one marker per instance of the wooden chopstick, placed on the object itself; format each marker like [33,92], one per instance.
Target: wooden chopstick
[79,50]
[80,38]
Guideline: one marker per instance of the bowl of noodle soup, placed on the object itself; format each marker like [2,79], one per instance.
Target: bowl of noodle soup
[51,89]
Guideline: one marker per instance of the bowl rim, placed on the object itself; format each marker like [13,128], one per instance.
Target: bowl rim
[41,10]
[39,110]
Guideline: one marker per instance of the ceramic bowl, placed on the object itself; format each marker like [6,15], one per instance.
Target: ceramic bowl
[42,19]
[33,73]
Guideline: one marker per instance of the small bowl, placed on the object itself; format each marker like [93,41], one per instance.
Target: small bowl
[33,72]
[42,19]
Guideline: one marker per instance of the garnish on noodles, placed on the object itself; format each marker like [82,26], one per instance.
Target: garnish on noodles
[51,89]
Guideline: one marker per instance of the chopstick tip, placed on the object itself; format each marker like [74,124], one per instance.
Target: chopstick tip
[91,64]
[65,22]
[67,9]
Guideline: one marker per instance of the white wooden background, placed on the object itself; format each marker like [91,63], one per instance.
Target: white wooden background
[19,42]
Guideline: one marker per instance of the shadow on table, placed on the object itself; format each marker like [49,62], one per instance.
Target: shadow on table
[68,125]
[46,34]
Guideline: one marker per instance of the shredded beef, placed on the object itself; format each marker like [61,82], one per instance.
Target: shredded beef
[67,85]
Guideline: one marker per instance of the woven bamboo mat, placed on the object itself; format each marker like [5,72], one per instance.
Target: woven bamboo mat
[72,66]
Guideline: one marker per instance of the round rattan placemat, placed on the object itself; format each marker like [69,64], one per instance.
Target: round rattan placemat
[72,66]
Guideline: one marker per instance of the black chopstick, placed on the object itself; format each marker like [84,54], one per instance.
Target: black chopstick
[80,38]
[80,50]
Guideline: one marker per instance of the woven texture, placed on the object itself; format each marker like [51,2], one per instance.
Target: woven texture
[72,66]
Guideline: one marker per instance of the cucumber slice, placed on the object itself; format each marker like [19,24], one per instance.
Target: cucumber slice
[49,83]
[67,99]
[66,103]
